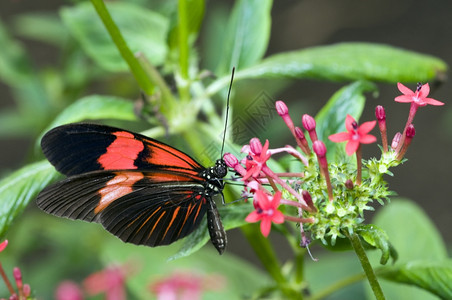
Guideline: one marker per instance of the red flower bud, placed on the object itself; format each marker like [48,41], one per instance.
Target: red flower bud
[308,199]
[256,146]
[308,122]
[281,108]
[319,148]
[410,131]
[349,184]
[230,160]
[396,140]
[299,133]
[380,113]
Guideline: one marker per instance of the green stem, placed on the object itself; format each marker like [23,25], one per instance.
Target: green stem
[137,70]
[167,99]
[183,87]
[337,286]
[364,260]
[267,256]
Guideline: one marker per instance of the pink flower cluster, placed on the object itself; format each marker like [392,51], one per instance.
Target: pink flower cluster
[255,173]
[23,290]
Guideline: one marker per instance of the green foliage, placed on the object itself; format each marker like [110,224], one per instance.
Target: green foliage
[168,71]
[247,35]
[144,30]
[20,188]
[349,61]
[405,223]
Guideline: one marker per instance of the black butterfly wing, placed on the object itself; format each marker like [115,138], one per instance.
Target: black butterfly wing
[141,207]
[81,147]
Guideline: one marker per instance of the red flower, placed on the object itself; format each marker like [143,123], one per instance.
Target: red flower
[110,281]
[185,286]
[256,159]
[355,135]
[266,211]
[418,97]
[3,245]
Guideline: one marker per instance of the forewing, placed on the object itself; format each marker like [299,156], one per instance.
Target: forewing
[80,148]
[145,208]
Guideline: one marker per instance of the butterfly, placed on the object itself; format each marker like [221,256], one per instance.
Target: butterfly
[141,190]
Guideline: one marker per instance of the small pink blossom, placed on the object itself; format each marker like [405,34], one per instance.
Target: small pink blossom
[110,281]
[419,97]
[3,245]
[185,286]
[257,158]
[355,135]
[266,211]
[68,290]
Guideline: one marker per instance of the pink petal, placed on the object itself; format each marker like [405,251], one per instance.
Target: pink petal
[3,245]
[366,127]
[278,217]
[367,139]
[404,90]
[265,147]
[266,225]
[432,101]
[276,200]
[263,200]
[348,122]
[403,99]
[339,137]
[351,147]
[425,90]
[253,217]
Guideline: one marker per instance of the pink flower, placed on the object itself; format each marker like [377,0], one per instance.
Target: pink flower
[355,135]
[266,211]
[110,281]
[68,290]
[419,97]
[3,245]
[256,159]
[185,286]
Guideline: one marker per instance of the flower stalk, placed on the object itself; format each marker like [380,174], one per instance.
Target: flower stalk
[367,267]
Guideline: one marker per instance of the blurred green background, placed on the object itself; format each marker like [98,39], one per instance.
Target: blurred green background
[416,25]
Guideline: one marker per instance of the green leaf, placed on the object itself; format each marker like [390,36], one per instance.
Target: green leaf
[19,188]
[232,216]
[376,237]
[411,231]
[435,277]
[16,70]
[331,118]
[239,278]
[144,31]
[414,237]
[349,61]
[195,13]
[247,35]
[94,107]
[45,27]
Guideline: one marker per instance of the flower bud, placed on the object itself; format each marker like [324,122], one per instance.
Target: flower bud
[230,160]
[380,113]
[396,140]
[410,131]
[281,108]
[308,199]
[319,149]
[349,184]
[308,122]
[256,146]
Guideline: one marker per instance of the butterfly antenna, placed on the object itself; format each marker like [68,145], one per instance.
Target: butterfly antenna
[227,110]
